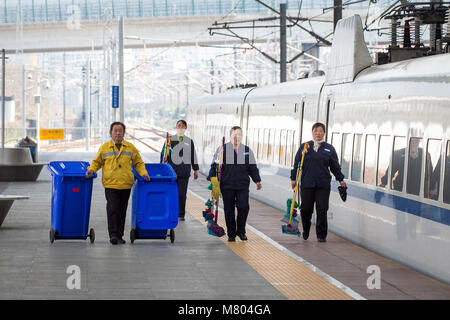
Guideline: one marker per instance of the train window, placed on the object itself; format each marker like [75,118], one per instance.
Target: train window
[266,144]
[432,169]
[260,144]
[414,166]
[270,147]
[384,154]
[295,146]
[276,149]
[346,153]
[336,142]
[358,152]
[255,142]
[289,145]
[283,147]
[370,159]
[398,164]
[447,175]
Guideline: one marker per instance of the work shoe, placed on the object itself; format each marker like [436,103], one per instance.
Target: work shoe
[243,237]
[305,235]
[114,240]
[121,241]
[231,239]
[322,240]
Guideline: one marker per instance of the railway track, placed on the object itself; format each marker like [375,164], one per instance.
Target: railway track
[149,137]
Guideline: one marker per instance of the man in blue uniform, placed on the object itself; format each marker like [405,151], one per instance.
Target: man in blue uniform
[315,185]
[182,158]
[238,163]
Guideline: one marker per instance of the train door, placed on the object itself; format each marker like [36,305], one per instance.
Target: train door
[245,111]
[324,112]
[300,110]
[245,115]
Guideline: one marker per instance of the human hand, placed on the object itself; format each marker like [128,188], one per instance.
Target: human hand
[195,174]
[89,173]
[293,183]
[343,184]
[146,177]
[258,186]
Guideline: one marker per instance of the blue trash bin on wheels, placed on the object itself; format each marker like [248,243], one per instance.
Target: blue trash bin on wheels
[154,203]
[71,200]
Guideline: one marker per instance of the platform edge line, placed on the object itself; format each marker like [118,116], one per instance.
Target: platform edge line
[307,264]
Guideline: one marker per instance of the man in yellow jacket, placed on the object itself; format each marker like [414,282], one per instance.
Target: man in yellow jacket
[116,157]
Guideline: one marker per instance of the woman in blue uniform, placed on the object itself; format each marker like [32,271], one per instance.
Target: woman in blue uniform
[238,164]
[320,158]
[182,159]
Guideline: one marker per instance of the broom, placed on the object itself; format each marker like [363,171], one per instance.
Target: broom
[167,147]
[292,228]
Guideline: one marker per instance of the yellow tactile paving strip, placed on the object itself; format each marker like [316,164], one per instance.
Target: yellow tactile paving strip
[289,276]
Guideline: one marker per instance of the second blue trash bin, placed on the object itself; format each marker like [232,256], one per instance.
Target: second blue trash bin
[154,203]
[71,200]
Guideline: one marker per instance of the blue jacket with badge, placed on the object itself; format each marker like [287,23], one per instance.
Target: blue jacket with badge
[237,167]
[317,166]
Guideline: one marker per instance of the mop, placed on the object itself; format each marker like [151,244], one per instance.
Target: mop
[287,215]
[212,226]
[207,213]
[292,227]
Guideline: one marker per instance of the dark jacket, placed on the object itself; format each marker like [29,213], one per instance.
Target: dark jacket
[317,166]
[236,169]
[182,156]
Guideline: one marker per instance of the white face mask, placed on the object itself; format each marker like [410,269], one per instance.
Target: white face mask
[180,132]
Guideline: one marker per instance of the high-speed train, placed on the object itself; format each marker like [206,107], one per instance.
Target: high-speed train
[390,125]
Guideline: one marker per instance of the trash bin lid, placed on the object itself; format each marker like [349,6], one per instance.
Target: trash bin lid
[68,168]
[158,172]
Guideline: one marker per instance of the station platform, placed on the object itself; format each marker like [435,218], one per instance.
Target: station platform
[269,266]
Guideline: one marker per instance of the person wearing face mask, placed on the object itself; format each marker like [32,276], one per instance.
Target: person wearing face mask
[320,158]
[238,163]
[182,158]
[115,158]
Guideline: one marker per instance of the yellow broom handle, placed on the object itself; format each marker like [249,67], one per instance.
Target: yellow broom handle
[167,149]
[298,182]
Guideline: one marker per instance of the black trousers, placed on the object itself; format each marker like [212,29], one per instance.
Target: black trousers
[116,209]
[182,184]
[321,197]
[235,199]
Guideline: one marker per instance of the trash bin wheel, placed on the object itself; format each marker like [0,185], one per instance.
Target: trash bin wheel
[172,235]
[92,235]
[132,235]
[52,235]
